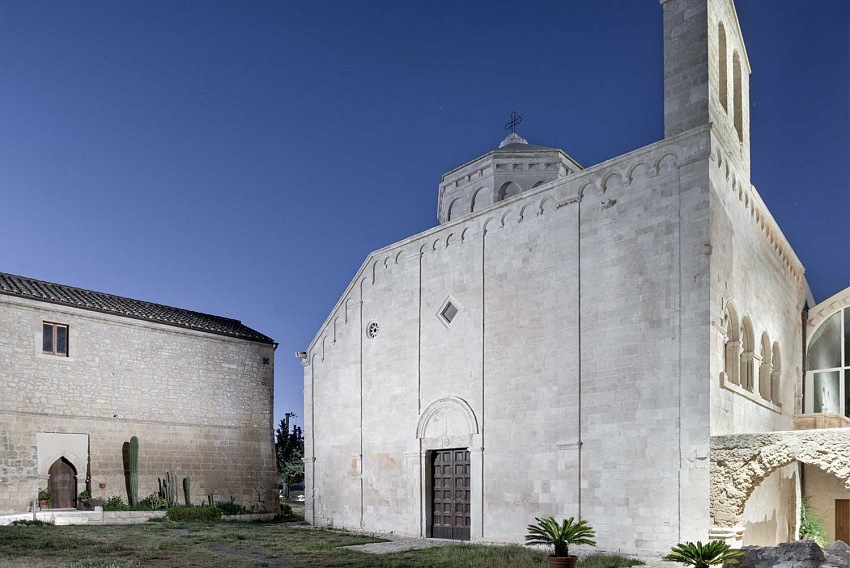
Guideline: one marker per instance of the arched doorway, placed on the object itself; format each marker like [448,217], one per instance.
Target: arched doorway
[62,484]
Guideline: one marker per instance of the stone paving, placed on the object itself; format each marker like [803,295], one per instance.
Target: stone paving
[399,544]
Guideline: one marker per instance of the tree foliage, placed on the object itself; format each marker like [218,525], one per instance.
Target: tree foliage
[289,450]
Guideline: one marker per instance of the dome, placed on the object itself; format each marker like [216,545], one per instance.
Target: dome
[513,142]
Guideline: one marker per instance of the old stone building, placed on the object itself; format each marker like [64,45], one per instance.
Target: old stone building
[597,341]
[81,372]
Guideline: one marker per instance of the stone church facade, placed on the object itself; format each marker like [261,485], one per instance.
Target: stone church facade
[81,372]
[577,341]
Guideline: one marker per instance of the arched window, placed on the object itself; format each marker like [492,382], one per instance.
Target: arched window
[747,354]
[723,87]
[765,366]
[454,210]
[828,364]
[508,189]
[481,199]
[738,100]
[776,374]
[732,347]
[538,184]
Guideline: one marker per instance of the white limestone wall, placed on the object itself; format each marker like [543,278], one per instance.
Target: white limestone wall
[754,268]
[530,418]
[769,520]
[692,72]
[722,12]
[579,350]
[200,404]
[390,402]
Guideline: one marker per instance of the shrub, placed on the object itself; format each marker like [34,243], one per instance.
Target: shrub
[811,526]
[115,503]
[31,523]
[560,535]
[699,555]
[231,508]
[286,510]
[202,513]
[154,502]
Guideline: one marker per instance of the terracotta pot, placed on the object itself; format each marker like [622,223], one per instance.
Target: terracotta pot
[42,503]
[562,561]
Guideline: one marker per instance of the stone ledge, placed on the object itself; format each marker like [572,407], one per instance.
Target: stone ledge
[251,518]
[130,517]
[725,383]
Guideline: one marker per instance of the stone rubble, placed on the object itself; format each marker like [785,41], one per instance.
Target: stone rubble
[800,554]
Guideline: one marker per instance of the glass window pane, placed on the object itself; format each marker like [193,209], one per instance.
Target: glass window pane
[825,347]
[62,339]
[847,337]
[47,338]
[449,312]
[826,392]
[847,392]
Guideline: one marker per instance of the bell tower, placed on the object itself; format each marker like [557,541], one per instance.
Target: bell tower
[707,74]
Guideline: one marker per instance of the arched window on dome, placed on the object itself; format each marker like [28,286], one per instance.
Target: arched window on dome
[765,366]
[828,366]
[508,189]
[722,85]
[776,374]
[747,354]
[732,346]
[455,210]
[481,199]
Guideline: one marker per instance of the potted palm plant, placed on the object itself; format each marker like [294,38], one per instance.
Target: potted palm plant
[699,555]
[560,536]
[44,497]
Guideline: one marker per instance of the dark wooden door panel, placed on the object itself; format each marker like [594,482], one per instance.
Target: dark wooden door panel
[450,499]
[842,519]
[62,483]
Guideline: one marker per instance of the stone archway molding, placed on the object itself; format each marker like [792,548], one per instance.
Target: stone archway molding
[52,446]
[739,463]
[460,417]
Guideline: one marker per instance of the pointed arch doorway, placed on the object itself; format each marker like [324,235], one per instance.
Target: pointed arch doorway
[62,484]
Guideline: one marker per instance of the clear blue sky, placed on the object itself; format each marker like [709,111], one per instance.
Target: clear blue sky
[243,158]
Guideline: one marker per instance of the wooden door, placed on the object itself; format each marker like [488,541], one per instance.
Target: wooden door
[62,483]
[450,510]
[842,520]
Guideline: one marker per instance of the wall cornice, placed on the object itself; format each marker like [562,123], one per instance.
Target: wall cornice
[746,193]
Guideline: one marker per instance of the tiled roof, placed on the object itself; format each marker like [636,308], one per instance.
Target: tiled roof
[12,285]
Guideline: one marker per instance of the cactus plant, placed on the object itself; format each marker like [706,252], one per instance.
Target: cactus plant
[134,471]
[187,482]
[169,489]
[164,488]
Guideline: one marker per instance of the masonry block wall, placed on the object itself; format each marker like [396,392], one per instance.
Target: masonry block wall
[200,404]
[583,309]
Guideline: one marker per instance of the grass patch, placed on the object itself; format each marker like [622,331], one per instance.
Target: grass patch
[467,555]
[228,545]
[600,560]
